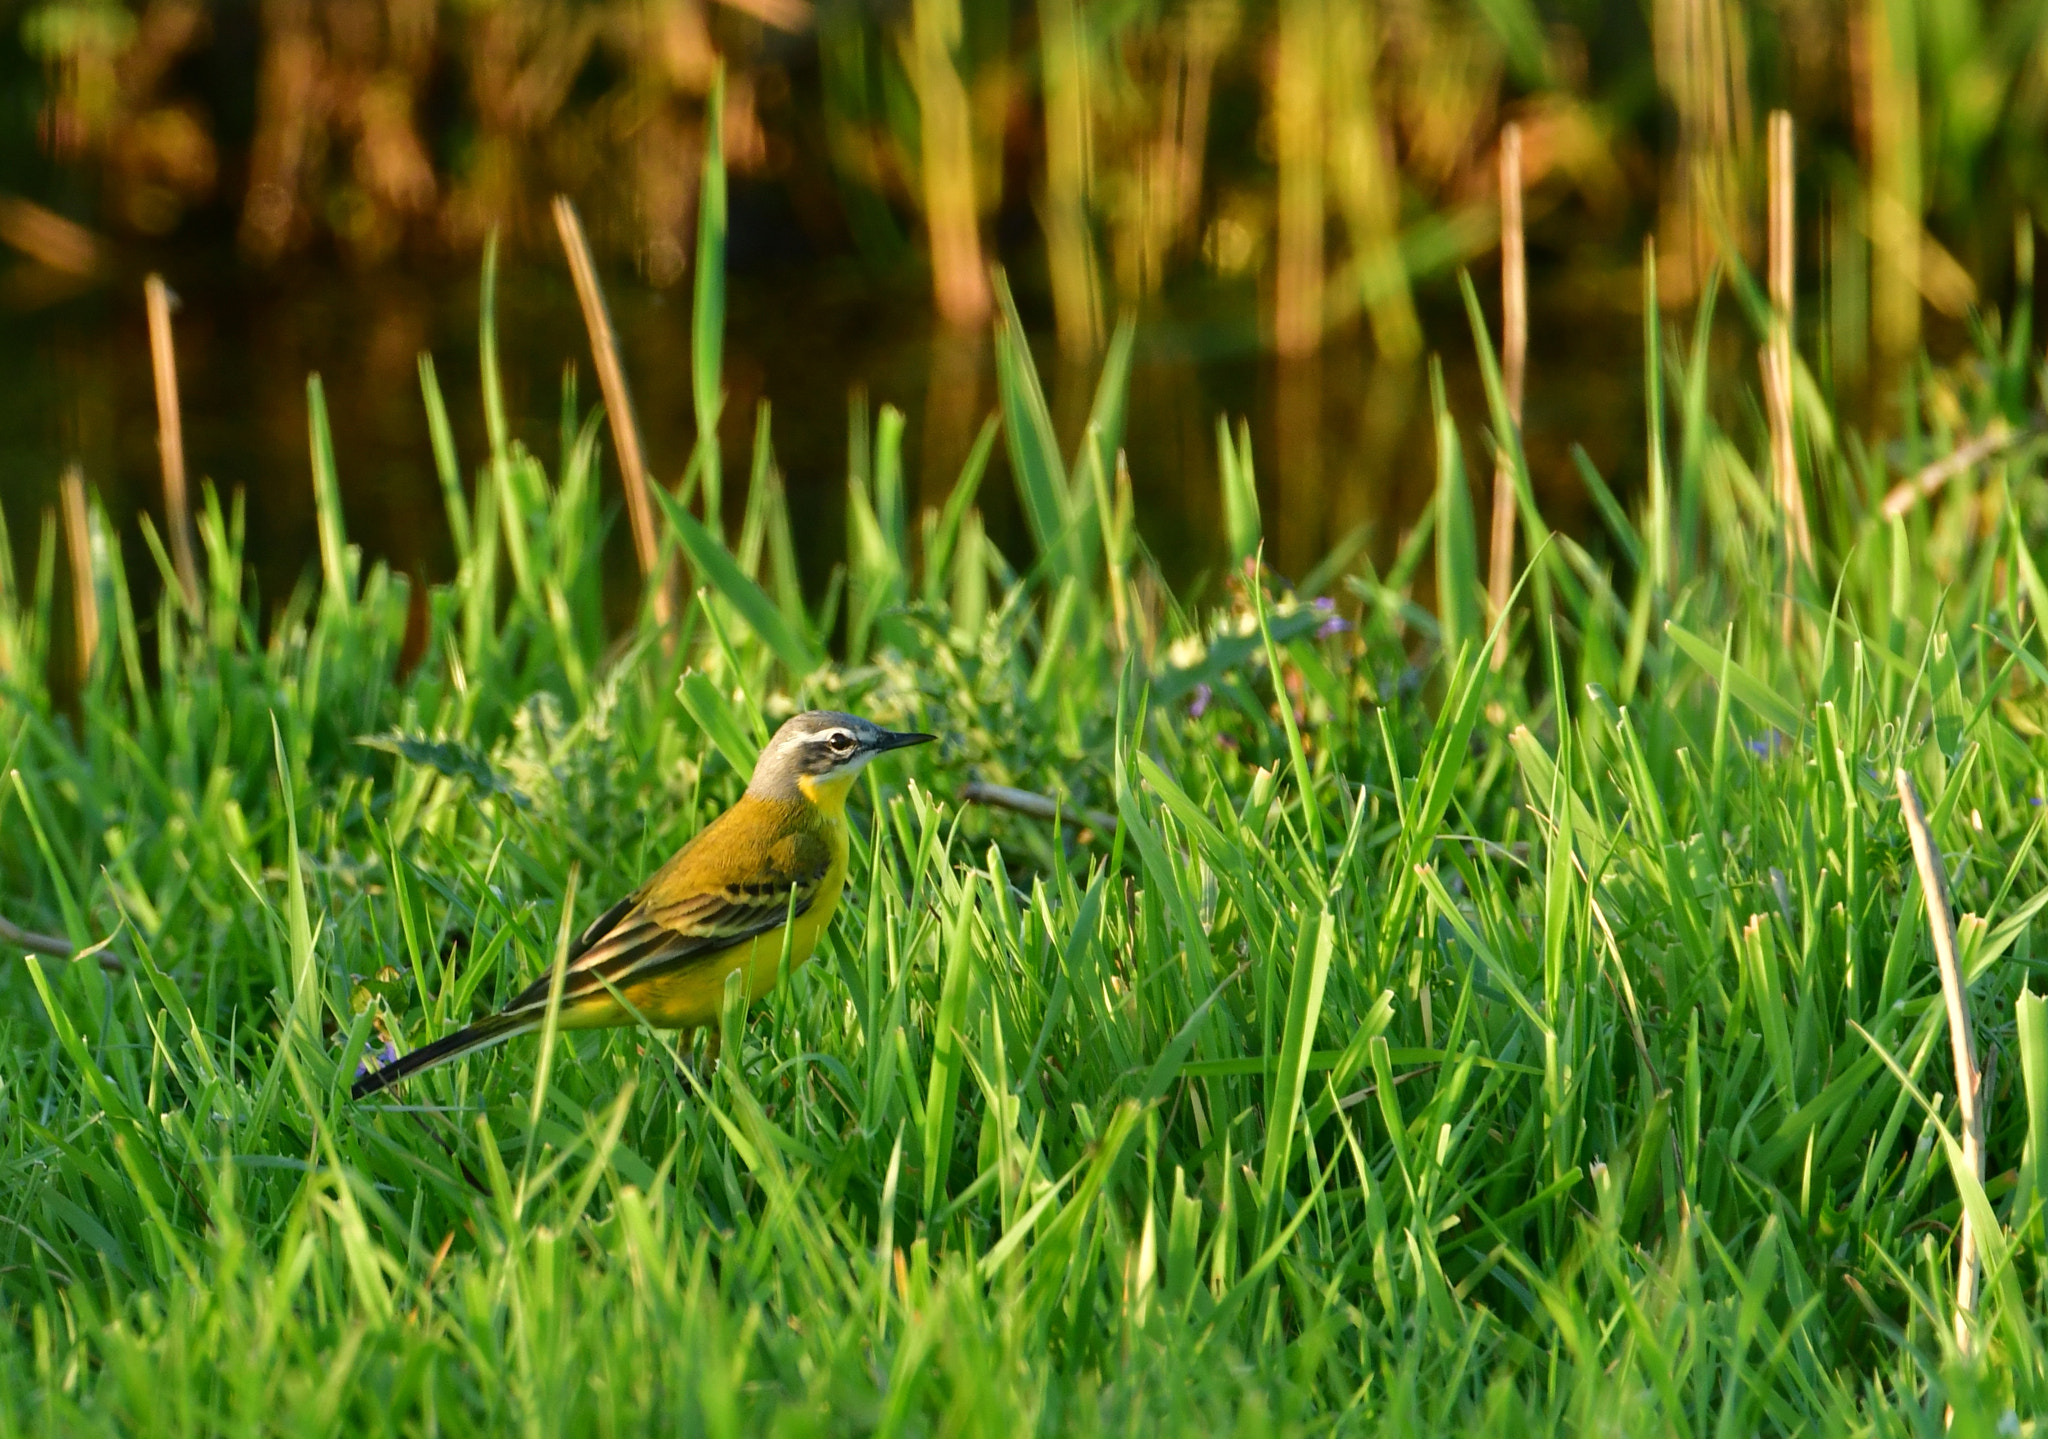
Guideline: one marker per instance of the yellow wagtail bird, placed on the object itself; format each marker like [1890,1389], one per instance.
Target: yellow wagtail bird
[766,872]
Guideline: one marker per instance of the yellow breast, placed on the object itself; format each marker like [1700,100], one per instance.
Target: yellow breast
[691,996]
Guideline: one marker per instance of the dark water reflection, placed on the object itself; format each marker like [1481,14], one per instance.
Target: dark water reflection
[1341,441]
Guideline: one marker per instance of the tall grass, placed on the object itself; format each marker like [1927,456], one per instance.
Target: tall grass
[1387,1044]
[1181,140]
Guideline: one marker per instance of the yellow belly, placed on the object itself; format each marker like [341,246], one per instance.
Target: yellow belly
[692,995]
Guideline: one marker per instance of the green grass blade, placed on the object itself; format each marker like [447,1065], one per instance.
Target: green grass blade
[1755,695]
[335,562]
[497,429]
[1458,586]
[2031,1013]
[715,564]
[719,722]
[1657,506]
[945,535]
[1035,462]
[948,1047]
[1312,952]
[1240,492]
[1105,427]
[1611,512]
[446,466]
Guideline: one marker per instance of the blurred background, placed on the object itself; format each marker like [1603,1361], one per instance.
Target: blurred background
[1282,191]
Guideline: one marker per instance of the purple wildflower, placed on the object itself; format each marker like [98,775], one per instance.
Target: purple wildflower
[1334,625]
[387,1055]
[1200,703]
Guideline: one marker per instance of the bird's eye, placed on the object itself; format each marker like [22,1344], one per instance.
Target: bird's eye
[841,742]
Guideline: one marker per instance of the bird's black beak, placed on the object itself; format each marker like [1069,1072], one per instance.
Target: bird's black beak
[903,739]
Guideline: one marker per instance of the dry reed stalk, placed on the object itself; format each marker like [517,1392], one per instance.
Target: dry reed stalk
[85,598]
[1702,62]
[1367,184]
[170,438]
[1777,363]
[1783,260]
[1891,82]
[1782,267]
[1514,351]
[1174,202]
[952,214]
[1069,241]
[1298,115]
[1848,279]
[47,237]
[618,400]
[1162,209]
[792,16]
[1962,1039]
[1202,44]
[1140,234]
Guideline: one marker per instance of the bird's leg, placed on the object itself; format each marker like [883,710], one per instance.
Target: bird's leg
[692,1070]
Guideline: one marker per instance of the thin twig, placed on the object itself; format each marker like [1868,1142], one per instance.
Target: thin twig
[1038,806]
[1997,436]
[1514,350]
[170,438]
[15,937]
[48,238]
[618,401]
[85,599]
[1962,1039]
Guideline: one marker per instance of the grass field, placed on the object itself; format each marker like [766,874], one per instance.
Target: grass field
[1379,1043]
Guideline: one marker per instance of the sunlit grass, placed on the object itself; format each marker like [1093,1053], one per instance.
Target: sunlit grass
[1421,1049]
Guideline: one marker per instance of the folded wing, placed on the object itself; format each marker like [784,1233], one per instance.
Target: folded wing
[689,911]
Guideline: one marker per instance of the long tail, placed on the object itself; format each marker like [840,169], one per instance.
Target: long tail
[484,1033]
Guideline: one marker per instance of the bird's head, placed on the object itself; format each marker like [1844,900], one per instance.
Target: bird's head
[816,754]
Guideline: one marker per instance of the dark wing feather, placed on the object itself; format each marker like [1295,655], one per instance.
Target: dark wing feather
[689,910]
[486,1031]
[603,925]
